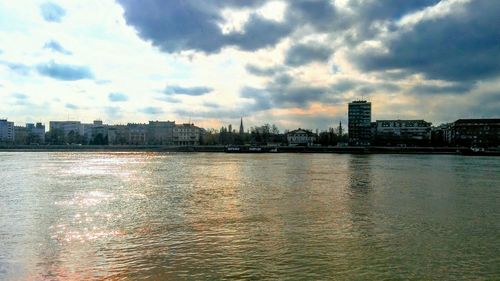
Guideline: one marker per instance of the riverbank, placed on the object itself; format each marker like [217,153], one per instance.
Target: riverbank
[245,149]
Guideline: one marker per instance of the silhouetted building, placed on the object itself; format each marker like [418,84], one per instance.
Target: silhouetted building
[359,123]
[300,137]
[476,132]
[241,127]
[398,132]
[7,133]
[441,135]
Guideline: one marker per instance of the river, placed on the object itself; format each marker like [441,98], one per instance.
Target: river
[197,216]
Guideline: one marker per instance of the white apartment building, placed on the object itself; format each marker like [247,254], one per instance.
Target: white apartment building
[300,137]
[186,134]
[405,129]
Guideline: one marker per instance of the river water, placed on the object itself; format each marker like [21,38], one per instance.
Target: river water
[176,216]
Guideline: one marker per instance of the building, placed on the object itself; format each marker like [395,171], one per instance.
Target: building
[7,133]
[440,135]
[21,135]
[36,132]
[187,134]
[300,137]
[359,123]
[67,127]
[137,133]
[160,132]
[475,132]
[118,134]
[402,132]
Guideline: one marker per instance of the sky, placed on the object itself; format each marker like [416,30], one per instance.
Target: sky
[292,63]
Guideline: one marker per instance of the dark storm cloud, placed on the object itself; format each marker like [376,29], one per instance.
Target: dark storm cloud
[56,47]
[455,89]
[458,47]
[363,87]
[260,97]
[189,91]
[263,71]
[283,80]
[52,12]
[278,95]
[319,13]
[176,25]
[302,54]
[65,72]
[387,9]
[117,97]
[258,33]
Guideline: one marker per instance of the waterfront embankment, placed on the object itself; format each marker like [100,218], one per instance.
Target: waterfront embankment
[245,149]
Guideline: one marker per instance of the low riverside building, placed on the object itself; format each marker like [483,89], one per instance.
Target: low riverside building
[137,133]
[186,134]
[441,135]
[476,132]
[160,132]
[36,132]
[402,132]
[300,137]
[67,127]
[7,133]
[118,135]
[20,135]
[95,133]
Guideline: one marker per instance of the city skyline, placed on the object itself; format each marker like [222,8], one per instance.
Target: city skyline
[291,64]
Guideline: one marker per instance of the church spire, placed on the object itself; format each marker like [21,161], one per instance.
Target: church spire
[241,127]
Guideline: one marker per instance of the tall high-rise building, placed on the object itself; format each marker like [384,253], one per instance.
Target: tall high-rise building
[360,117]
[6,131]
[241,127]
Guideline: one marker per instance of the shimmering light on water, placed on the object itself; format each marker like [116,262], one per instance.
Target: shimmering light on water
[68,216]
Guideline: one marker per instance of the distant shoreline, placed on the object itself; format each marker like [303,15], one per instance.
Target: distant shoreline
[265,149]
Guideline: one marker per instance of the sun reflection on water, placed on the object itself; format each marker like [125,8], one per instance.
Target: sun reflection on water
[129,216]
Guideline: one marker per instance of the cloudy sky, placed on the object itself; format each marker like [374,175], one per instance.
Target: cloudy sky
[293,63]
